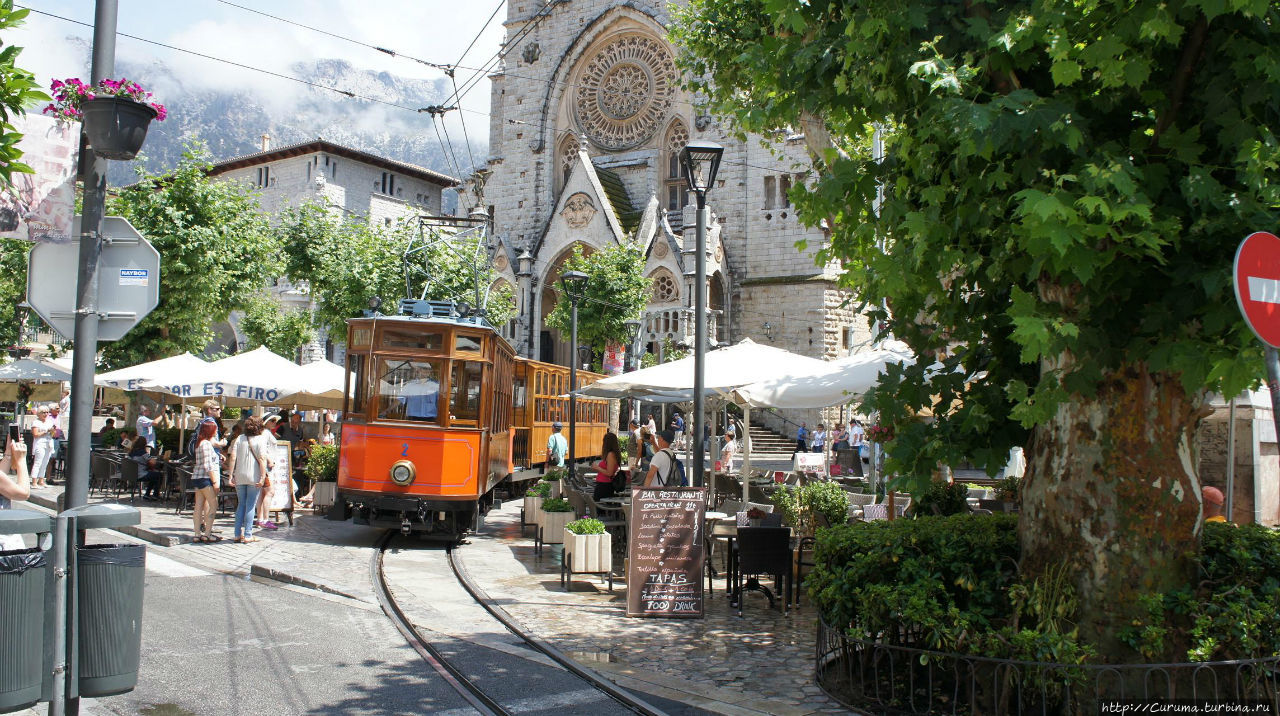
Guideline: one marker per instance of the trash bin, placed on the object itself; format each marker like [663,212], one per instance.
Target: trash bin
[109,600]
[23,582]
[108,582]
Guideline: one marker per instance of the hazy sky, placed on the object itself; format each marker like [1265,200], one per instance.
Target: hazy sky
[433,30]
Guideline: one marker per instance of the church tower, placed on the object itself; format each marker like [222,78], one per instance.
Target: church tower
[587,122]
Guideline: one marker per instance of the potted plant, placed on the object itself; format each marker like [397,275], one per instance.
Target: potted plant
[116,113]
[556,513]
[587,547]
[322,468]
[1008,491]
[554,478]
[533,498]
[754,515]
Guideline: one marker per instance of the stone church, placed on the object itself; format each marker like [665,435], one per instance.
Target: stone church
[587,123]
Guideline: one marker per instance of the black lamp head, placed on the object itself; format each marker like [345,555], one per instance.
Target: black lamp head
[701,162]
[574,284]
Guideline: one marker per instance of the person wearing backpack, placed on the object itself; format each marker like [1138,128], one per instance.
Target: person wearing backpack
[665,470]
[557,446]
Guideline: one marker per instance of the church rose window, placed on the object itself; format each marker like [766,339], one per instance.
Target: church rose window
[625,91]
[664,288]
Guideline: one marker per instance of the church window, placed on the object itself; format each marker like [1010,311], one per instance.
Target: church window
[676,139]
[664,287]
[784,188]
[770,191]
[568,157]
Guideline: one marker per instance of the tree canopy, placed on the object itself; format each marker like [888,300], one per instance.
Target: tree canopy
[616,292]
[216,254]
[1064,186]
[347,263]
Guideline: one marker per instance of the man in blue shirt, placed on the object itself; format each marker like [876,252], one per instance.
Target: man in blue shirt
[421,394]
[677,426]
[557,446]
[802,437]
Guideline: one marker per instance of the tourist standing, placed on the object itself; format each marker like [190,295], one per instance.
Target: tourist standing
[250,470]
[269,425]
[206,479]
[819,438]
[662,469]
[146,426]
[608,466]
[677,426]
[557,445]
[802,438]
[42,446]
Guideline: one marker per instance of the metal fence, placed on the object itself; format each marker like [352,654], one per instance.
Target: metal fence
[878,678]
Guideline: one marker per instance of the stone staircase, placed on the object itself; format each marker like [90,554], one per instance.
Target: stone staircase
[765,442]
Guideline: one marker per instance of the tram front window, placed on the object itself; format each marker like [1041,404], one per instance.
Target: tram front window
[408,389]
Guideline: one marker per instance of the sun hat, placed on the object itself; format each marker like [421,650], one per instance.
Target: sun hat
[272,418]
[557,425]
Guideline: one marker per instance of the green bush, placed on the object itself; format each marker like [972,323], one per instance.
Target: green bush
[1009,489]
[951,584]
[1234,610]
[942,499]
[556,504]
[939,579]
[800,507]
[322,465]
[586,526]
[555,473]
[539,489]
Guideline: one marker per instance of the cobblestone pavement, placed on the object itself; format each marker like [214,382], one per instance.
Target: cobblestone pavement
[759,663]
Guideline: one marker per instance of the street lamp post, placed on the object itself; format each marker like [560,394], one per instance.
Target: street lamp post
[701,161]
[633,334]
[574,283]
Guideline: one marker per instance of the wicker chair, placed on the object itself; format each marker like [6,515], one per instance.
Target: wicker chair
[764,551]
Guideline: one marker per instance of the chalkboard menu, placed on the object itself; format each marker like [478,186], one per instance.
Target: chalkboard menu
[666,552]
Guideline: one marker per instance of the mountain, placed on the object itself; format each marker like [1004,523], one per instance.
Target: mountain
[232,123]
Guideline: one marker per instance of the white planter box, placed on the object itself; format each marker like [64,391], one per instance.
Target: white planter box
[324,495]
[552,525]
[532,508]
[589,553]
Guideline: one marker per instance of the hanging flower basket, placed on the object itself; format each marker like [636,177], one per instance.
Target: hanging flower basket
[116,114]
[116,127]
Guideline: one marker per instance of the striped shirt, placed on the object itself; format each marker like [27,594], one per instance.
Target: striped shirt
[207,463]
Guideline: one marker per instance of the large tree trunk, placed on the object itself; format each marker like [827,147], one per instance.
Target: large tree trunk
[1111,489]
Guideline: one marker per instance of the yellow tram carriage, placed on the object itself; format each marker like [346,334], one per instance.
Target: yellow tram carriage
[439,412]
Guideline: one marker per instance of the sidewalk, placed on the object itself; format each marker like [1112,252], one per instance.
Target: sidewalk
[757,664]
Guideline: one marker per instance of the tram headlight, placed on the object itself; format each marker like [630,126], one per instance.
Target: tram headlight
[403,472]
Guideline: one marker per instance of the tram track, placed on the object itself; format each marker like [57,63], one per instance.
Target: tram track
[455,675]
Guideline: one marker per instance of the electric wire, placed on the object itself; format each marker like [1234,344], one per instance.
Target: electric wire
[481,32]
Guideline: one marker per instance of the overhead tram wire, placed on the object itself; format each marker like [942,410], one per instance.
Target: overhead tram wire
[346,93]
[481,32]
[487,66]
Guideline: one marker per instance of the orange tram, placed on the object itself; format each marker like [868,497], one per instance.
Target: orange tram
[440,412]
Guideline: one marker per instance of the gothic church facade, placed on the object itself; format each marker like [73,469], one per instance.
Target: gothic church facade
[587,122]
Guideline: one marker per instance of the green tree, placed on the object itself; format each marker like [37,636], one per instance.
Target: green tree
[1065,185]
[347,263]
[216,254]
[616,292]
[18,92]
[282,331]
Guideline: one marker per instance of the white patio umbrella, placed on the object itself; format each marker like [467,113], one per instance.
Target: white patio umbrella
[164,370]
[323,384]
[252,378]
[727,369]
[32,370]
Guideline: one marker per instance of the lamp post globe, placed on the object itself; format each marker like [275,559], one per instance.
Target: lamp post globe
[701,162]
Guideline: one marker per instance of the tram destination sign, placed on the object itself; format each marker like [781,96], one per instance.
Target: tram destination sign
[666,552]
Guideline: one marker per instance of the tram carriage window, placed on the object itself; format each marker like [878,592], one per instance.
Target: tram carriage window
[358,378]
[469,344]
[415,340]
[464,404]
[361,336]
[519,396]
[408,389]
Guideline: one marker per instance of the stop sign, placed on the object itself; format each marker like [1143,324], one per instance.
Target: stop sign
[1257,279]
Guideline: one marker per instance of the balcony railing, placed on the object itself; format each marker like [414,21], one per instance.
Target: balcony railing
[677,325]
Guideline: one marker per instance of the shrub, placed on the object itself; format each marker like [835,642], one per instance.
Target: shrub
[800,507]
[322,466]
[586,526]
[942,499]
[939,579]
[1009,489]
[556,504]
[555,473]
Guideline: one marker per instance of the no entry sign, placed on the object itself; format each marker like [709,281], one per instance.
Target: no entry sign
[1257,279]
